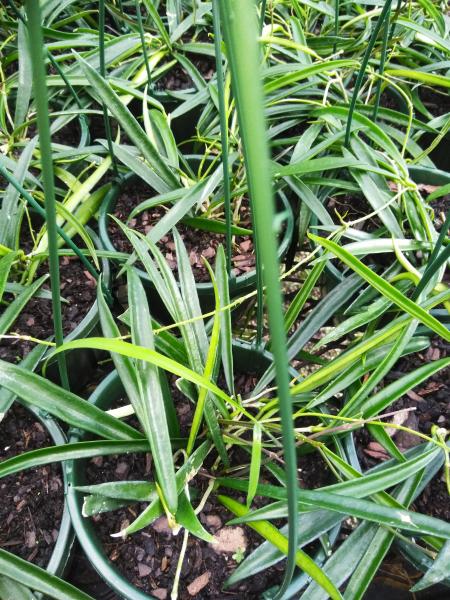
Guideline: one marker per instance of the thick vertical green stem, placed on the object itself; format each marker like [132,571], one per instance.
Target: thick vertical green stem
[43,122]
[388,34]
[101,49]
[373,38]
[259,296]
[381,68]
[336,22]
[240,31]
[142,36]
[223,130]
[262,14]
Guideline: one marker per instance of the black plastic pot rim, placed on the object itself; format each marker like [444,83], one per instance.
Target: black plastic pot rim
[237,284]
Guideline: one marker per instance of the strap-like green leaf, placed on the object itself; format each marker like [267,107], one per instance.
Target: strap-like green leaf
[15,308]
[45,456]
[161,361]
[271,533]
[187,518]
[6,263]
[226,337]
[38,579]
[384,287]
[129,124]
[61,403]
[255,464]
[438,572]
[153,413]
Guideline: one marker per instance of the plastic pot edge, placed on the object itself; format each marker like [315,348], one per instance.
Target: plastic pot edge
[62,551]
[204,290]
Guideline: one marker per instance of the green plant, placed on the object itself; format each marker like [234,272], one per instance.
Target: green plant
[40,89]
[332,108]
[19,576]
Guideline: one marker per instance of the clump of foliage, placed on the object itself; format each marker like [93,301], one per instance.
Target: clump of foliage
[340,110]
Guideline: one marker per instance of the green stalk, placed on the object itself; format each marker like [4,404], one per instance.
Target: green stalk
[241,33]
[336,22]
[381,68]
[373,38]
[38,208]
[388,34]
[259,296]
[43,122]
[262,14]
[142,36]
[101,49]
[223,130]
[433,263]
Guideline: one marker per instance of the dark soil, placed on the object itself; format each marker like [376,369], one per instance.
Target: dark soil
[441,208]
[437,103]
[177,79]
[36,320]
[351,208]
[389,101]
[149,558]
[198,243]
[32,501]
[431,402]
[69,135]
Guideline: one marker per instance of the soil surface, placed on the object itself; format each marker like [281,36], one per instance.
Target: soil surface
[32,502]
[350,208]
[437,103]
[198,243]
[78,287]
[431,405]
[177,78]
[387,100]
[149,558]
[69,135]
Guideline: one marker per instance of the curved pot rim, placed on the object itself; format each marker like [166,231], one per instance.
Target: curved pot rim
[204,288]
[83,527]
[102,397]
[60,556]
